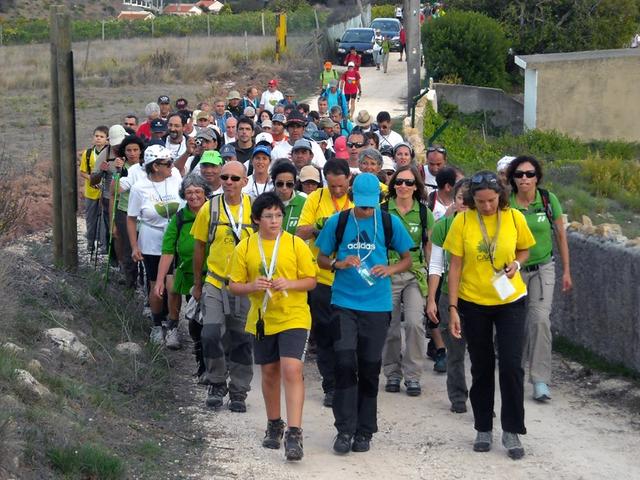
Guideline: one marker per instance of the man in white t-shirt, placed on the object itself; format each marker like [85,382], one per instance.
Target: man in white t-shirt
[436,161]
[230,129]
[387,137]
[295,127]
[271,96]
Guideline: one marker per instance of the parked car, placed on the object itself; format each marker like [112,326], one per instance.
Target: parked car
[361,39]
[389,27]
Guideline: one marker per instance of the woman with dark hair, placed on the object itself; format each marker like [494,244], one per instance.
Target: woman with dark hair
[408,289]
[177,250]
[284,175]
[544,217]
[488,244]
[153,200]
[264,115]
[372,140]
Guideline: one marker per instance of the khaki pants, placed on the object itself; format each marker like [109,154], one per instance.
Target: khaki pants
[537,341]
[411,363]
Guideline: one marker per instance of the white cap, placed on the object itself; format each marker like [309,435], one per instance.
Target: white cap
[504,163]
[156,152]
[351,64]
[387,163]
[264,137]
[116,135]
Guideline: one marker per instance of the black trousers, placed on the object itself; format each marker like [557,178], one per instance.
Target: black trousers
[320,305]
[359,338]
[478,322]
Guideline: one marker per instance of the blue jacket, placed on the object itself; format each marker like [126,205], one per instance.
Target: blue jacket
[337,98]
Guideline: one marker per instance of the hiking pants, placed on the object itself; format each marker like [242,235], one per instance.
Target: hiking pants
[129,267]
[358,341]
[456,349]
[95,231]
[385,61]
[405,292]
[215,324]
[320,305]
[537,341]
[478,322]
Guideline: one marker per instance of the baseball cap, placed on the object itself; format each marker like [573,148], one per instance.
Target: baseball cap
[264,138]
[280,118]
[319,136]
[504,163]
[289,92]
[309,172]
[351,64]
[234,94]
[227,151]
[156,152]
[296,117]
[202,115]
[116,134]
[158,125]
[249,112]
[388,163]
[163,99]
[181,103]
[273,81]
[267,124]
[211,157]
[261,149]
[333,82]
[340,147]
[366,190]
[206,134]
[326,122]
[302,144]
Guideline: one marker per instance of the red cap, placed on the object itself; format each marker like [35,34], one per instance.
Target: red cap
[273,81]
[340,147]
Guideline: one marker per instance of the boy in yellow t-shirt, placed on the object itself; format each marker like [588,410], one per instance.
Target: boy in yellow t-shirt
[276,269]
[96,230]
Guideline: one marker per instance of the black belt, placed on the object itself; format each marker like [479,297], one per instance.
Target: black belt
[535,268]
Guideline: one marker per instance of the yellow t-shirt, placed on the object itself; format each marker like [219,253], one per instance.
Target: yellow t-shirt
[294,262]
[221,248]
[320,205]
[465,240]
[86,166]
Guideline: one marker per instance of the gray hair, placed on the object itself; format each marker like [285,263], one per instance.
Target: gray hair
[151,108]
[194,180]
[335,109]
[371,153]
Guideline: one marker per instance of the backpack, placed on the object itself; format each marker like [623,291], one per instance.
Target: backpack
[214,217]
[546,204]
[424,226]
[387,228]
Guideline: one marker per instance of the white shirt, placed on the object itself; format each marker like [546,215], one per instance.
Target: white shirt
[253,189]
[228,139]
[177,149]
[390,140]
[439,208]
[283,150]
[269,100]
[429,180]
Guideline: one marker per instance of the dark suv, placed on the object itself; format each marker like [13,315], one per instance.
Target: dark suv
[361,39]
[389,27]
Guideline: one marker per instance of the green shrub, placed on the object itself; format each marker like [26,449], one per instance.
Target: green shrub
[383,11]
[467,45]
[89,461]
[614,178]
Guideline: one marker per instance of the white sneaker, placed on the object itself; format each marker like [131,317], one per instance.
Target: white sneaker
[173,339]
[157,335]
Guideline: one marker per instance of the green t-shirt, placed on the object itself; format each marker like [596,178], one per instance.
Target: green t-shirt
[292,213]
[438,236]
[325,76]
[186,243]
[540,227]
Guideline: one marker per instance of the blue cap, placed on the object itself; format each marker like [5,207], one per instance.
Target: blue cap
[319,136]
[227,151]
[366,190]
[261,149]
[158,125]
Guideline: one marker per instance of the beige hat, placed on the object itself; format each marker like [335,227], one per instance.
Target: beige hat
[309,172]
[234,94]
[363,119]
[326,123]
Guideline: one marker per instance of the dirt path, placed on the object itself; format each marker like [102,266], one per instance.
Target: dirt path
[581,434]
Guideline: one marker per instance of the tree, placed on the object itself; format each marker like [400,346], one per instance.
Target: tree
[466,45]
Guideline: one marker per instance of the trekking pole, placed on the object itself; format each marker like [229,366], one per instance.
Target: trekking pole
[112,223]
[93,252]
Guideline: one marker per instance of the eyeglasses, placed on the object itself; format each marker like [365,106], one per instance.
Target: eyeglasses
[437,149]
[280,184]
[275,216]
[522,173]
[234,178]
[489,178]
[406,181]
[388,173]
[355,145]
[168,163]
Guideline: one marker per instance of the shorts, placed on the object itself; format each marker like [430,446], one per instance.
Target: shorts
[288,343]
[151,263]
[349,96]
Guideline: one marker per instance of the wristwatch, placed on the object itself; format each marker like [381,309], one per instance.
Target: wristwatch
[333,264]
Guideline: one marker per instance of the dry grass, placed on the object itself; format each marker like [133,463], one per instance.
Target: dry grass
[160,60]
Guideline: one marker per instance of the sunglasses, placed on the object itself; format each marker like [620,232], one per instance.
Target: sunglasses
[168,163]
[280,184]
[489,178]
[355,145]
[405,181]
[437,149]
[522,173]
[234,178]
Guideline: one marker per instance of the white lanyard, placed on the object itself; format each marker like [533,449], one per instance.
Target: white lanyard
[235,227]
[375,233]
[268,272]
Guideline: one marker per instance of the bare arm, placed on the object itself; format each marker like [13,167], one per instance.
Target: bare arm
[455,269]
[306,232]
[563,246]
[136,255]
[163,269]
[387,270]
[198,262]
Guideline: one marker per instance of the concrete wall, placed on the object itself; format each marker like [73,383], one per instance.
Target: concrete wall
[588,95]
[603,311]
[335,31]
[508,112]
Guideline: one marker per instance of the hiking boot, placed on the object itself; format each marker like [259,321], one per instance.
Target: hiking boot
[216,394]
[431,350]
[173,339]
[361,442]
[393,385]
[157,335]
[413,388]
[511,442]
[441,361]
[541,392]
[237,403]
[458,407]
[483,441]
[328,399]
[342,443]
[273,434]
[293,444]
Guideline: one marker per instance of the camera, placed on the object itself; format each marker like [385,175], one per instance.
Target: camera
[199,142]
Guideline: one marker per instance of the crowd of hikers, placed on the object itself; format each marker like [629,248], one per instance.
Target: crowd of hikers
[274,226]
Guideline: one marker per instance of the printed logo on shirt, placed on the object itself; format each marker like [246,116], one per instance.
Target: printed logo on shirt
[361,243]
[483,252]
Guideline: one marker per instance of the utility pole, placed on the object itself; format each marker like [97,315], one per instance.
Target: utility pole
[411,20]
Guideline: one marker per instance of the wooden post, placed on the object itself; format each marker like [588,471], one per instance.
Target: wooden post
[263,30]
[55,139]
[246,47]
[2,34]
[208,24]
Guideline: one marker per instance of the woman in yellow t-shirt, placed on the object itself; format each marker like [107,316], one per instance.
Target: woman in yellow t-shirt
[276,270]
[488,244]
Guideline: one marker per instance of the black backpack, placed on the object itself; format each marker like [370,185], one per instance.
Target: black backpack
[386,227]
[546,204]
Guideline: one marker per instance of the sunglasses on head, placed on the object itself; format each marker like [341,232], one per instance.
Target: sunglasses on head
[280,184]
[437,149]
[405,181]
[355,145]
[523,173]
[234,178]
[489,178]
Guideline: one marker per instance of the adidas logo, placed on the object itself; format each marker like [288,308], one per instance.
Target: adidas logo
[361,246]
